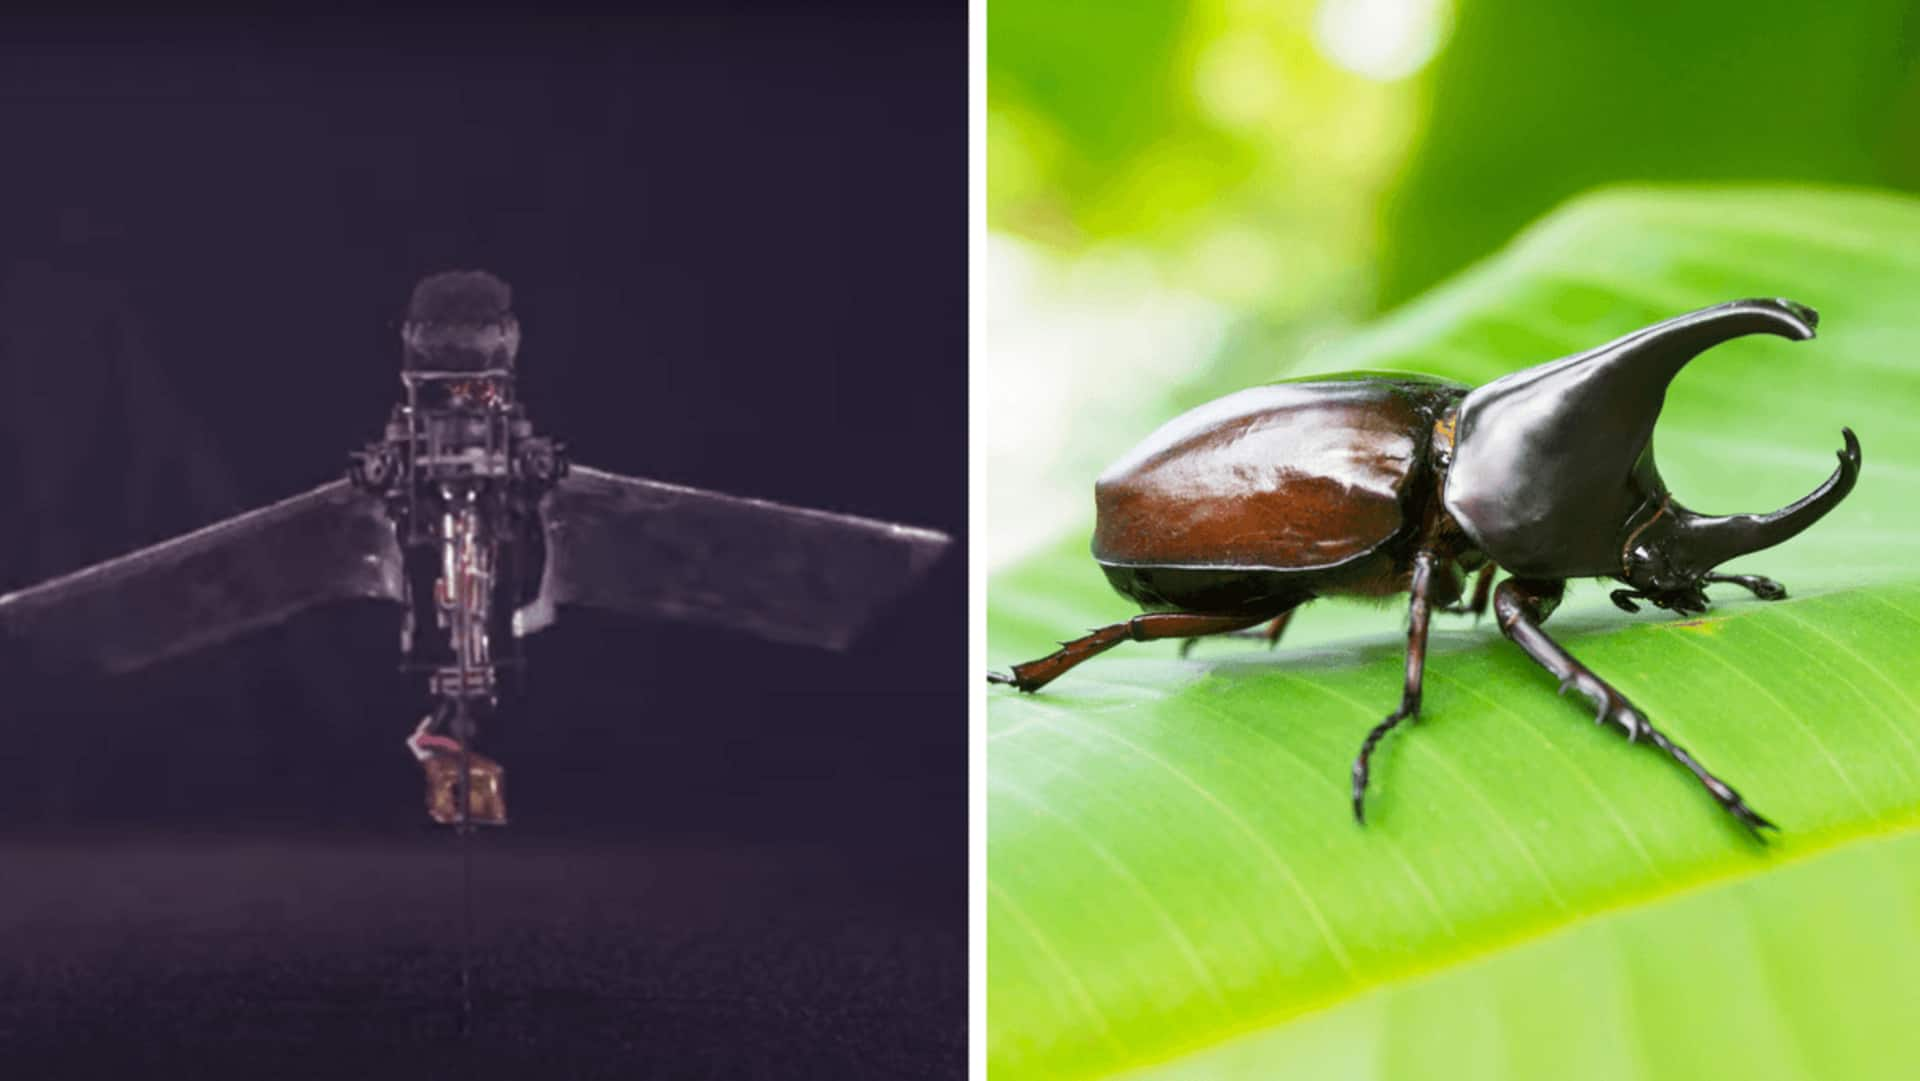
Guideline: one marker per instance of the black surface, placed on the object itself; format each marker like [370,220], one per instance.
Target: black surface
[269,956]
[737,247]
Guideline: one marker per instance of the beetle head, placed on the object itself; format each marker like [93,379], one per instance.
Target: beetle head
[1553,473]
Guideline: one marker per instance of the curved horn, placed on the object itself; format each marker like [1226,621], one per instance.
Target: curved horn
[1667,347]
[1579,430]
[1706,542]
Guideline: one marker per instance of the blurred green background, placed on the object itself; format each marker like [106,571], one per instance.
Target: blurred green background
[1185,198]
[1193,193]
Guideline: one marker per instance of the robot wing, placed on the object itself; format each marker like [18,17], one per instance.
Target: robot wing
[255,569]
[785,573]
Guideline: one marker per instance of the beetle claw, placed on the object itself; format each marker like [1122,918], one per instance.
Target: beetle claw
[1623,600]
[1011,680]
[1750,818]
[1753,820]
[1731,802]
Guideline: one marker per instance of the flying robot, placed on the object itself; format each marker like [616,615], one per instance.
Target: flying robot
[485,533]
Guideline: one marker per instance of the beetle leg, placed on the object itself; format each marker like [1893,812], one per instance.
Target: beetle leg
[1762,587]
[1419,611]
[1520,606]
[1034,675]
[1272,633]
[1482,589]
[1279,627]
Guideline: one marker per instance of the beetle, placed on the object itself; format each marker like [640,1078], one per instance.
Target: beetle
[1373,484]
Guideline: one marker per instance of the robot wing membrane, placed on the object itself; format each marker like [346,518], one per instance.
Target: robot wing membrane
[784,573]
[259,568]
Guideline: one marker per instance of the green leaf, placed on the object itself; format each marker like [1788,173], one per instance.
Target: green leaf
[1176,886]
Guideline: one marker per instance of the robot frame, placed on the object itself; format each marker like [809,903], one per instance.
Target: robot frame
[482,529]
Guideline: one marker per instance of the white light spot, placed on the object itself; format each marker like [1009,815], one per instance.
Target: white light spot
[1239,81]
[1083,352]
[1380,39]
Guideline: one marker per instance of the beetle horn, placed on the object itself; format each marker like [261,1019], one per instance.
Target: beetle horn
[1549,462]
[1706,541]
[1656,354]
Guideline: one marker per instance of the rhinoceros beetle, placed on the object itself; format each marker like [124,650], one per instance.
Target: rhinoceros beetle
[1375,483]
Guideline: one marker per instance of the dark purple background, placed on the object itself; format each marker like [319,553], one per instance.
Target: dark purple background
[738,251]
